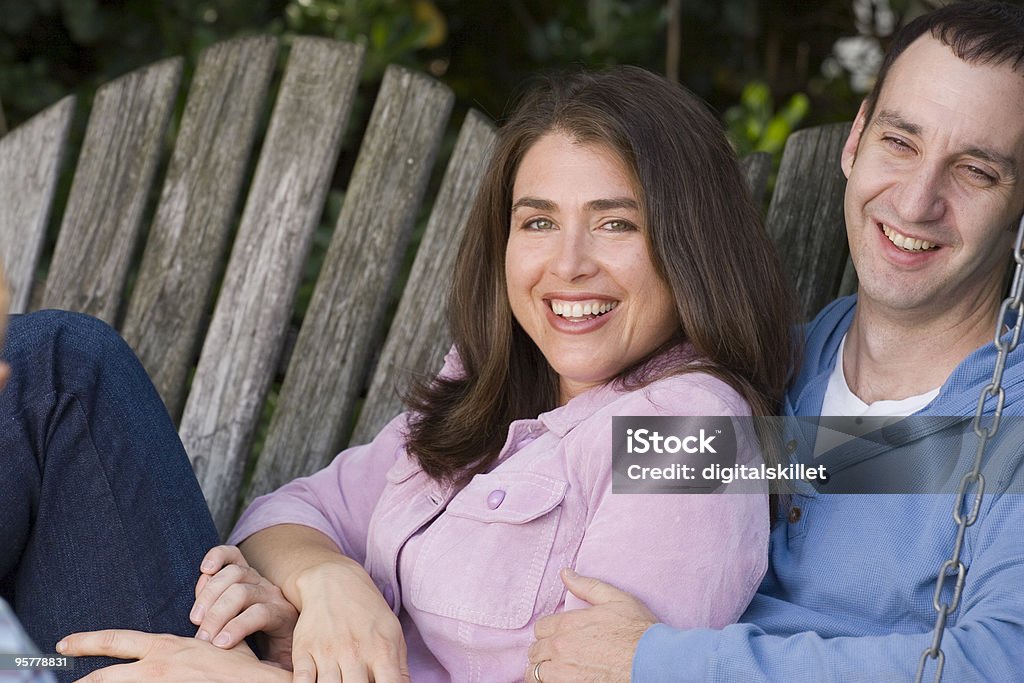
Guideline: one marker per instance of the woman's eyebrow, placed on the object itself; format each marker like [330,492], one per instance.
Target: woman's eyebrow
[609,204]
[592,205]
[534,203]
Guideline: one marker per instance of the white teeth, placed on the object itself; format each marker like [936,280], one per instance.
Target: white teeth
[906,243]
[575,309]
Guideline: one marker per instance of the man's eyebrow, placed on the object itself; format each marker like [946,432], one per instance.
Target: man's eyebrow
[891,118]
[1007,164]
[592,205]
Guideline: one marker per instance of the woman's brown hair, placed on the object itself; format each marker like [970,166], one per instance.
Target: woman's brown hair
[705,237]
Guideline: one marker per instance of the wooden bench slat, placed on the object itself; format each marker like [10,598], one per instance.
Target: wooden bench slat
[419,338]
[123,143]
[344,324]
[250,319]
[756,167]
[30,163]
[806,214]
[189,236]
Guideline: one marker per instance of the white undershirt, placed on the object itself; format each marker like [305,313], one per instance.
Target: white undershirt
[840,401]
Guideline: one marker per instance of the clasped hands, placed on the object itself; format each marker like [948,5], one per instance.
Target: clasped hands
[359,644]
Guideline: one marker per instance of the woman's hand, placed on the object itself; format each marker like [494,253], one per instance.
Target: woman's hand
[346,630]
[233,601]
[167,658]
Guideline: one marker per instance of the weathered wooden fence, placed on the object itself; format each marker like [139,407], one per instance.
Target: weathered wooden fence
[181,308]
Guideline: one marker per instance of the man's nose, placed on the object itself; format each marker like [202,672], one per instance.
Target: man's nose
[921,195]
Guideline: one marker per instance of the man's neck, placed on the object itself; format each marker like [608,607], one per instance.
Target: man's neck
[890,356]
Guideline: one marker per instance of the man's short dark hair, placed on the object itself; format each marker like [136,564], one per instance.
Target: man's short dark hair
[990,33]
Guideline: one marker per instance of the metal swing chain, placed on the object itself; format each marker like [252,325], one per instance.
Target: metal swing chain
[1014,302]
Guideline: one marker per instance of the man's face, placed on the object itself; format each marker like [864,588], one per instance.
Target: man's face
[935,184]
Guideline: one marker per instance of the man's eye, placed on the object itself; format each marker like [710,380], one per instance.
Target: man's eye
[979,174]
[895,143]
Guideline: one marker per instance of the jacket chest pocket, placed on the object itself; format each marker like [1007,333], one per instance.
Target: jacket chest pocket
[482,561]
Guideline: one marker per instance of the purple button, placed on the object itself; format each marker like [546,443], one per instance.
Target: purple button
[494,498]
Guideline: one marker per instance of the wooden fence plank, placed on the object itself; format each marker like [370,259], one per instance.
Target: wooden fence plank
[806,214]
[249,321]
[756,167]
[30,163]
[189,237]
[419,338]
[122,146]
[344,323]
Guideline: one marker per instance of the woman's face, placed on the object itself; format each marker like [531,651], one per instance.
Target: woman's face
[579,274]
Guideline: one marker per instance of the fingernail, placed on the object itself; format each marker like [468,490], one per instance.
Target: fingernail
[221,639]
[206,566]
[570,572]
[202,635]
[61,645]
[197,614]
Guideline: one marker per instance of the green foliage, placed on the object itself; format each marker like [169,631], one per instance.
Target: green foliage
[754,125]
[50,48]
[392,30]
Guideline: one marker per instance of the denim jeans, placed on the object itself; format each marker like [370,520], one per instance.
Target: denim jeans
[103,522]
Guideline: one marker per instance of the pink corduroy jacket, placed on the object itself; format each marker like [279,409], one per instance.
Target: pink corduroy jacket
[469,572]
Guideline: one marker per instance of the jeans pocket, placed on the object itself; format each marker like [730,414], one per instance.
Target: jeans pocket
[483,560]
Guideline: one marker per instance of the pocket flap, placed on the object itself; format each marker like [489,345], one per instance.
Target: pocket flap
[509,497]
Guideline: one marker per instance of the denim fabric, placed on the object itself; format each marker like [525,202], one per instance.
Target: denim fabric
[104,524]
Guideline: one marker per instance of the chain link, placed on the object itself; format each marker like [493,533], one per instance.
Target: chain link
[1014,302]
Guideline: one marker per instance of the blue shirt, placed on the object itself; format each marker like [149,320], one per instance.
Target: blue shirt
[849,591]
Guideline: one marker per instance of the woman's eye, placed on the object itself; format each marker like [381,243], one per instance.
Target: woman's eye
[539,224]
[619,226]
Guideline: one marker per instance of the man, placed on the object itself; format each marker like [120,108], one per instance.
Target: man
[935,168]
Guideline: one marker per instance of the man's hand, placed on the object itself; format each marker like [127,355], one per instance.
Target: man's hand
[167,658]
[592,645]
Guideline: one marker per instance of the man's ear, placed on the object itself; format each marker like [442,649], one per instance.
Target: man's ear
[853,140]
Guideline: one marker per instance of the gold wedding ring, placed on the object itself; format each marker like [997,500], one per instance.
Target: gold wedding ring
[536,671]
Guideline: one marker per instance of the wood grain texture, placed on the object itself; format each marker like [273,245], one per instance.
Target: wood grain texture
[806,214]
[419,338]
[188,240]
[756,167]
[123,144]
[30,164]
[249,321]
[344,324]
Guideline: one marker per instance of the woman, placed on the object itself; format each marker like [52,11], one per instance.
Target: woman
[613,265]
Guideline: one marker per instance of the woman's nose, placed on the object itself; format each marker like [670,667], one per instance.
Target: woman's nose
[574,256]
